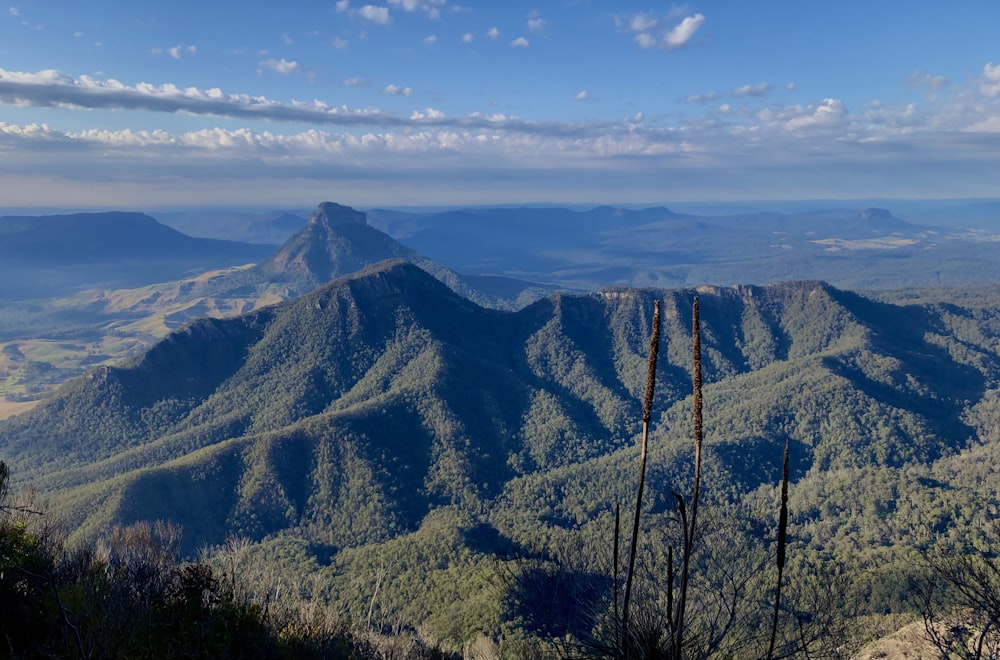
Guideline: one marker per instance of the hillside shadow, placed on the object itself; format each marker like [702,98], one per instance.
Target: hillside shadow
[751,462]
[597,341]
[487,539]
[200,498]
[555,601]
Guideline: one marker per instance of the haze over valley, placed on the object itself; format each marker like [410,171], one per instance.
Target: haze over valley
[96,295]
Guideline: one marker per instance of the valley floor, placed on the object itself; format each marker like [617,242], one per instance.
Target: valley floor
[10,408]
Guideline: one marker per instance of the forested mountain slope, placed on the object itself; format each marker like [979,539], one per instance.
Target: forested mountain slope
[350,412]
[45,342]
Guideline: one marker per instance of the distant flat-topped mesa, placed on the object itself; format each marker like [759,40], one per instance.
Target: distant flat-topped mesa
[57,255]
[333,215]
[875,214]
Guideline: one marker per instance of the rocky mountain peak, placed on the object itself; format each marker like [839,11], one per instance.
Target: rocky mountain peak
[331,214]
[338,240]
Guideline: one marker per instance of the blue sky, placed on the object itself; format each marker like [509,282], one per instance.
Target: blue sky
[436,102]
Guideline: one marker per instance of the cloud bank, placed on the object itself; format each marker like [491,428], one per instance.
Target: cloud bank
[758,148]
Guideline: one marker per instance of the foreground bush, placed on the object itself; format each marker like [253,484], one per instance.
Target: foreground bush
[131,597]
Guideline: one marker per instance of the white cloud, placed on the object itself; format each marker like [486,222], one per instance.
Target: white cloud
[520,42]
[990,81]
[49,77]
[288,41]
[927,80]
[396,90]
[643,26]
[791,87]
[536,23]
[430,40]
[760,89]
[176,52]
[827,113]
[642,23]
[431,7]
[343,5]
[408,5]
[708,97]
[772,145]
[429,113]
[582,95]
[33,131]
[645,40]
[375,14]
[339,43]
[468,38]
[354,82]
[490,157]
[282,66]
[13,11]
[683,31]
[493,33]
[52,89]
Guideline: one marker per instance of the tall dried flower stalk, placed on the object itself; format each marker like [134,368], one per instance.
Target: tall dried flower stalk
[647,410]
[689,527]
[782,529]
[618,517]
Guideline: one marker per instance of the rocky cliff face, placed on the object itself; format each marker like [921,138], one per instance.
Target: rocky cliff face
[330,214]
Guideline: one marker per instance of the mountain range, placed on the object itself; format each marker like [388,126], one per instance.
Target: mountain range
[48,256]
[367,412]
[266,228]
[868,248]
[45,341]
[338,241]
[505,258]
[347,411]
